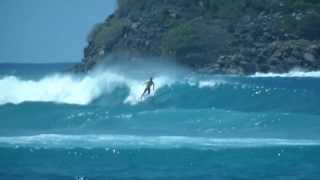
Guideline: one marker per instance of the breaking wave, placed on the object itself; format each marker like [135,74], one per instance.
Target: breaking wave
[84,89]
[70,89]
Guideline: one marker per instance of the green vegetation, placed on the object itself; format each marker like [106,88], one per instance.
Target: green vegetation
[188,31]
[221,34]
[307,26]
[303,5]
[106,33]
[234,8]
[177,36]
[311,26]
[195,39]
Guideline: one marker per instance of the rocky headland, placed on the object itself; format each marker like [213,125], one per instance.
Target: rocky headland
[214,36]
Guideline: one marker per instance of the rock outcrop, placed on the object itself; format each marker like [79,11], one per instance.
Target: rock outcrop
[217,36]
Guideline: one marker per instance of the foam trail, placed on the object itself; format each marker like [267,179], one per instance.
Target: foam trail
[157,142]
[293,73]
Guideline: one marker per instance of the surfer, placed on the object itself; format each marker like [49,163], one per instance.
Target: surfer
[148,87]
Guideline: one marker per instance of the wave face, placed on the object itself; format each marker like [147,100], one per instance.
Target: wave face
[194,122]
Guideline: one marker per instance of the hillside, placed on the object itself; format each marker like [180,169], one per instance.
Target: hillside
[216,36]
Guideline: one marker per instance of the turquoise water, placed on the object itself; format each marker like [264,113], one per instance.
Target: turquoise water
[55,125]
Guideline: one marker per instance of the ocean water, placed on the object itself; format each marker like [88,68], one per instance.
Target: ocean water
[56,125]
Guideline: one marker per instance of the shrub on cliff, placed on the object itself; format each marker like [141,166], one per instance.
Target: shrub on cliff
[311,27]
[304,25]
[195,41]
[234,9]
[107,33]
[302,5]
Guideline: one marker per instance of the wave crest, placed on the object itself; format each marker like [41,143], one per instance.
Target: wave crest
[71,89]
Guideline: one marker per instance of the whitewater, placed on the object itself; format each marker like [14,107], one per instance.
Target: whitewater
[60,125]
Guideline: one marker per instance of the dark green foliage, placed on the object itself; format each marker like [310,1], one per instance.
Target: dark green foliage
[131,8]
[196,39]
[306,26]
[236,8]
[301,5]
[225,33]
[184,29]
[176,36]
[96,28]
[106,33]
[311,27]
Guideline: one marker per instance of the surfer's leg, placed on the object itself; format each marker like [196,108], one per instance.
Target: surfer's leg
[144,92]
[148,91]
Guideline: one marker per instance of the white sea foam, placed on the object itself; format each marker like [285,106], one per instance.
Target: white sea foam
[210,83]
[71,89]
[157,142]
[82,90]
[293,73]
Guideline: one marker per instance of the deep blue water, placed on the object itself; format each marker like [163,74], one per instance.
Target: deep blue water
[56,125]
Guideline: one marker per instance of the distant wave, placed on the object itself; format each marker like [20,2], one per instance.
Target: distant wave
[293,73]
[157,142]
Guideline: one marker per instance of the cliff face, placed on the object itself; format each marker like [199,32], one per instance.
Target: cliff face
[218,36]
